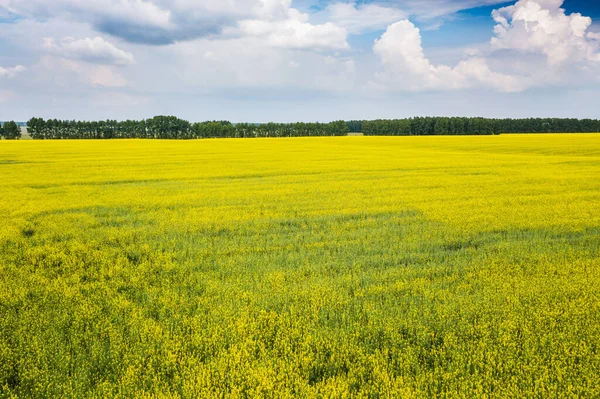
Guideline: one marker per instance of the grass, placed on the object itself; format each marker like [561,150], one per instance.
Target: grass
[359,267]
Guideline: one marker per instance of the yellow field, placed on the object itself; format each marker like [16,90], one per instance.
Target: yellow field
[352,267]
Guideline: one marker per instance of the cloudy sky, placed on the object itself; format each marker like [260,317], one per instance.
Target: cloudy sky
[309,60]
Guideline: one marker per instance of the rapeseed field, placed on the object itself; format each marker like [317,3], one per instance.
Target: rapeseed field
[363,267]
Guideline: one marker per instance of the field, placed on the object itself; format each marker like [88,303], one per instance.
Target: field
[351,267]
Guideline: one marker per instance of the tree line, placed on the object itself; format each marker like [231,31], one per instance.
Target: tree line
[170,127]
[471,126]
[10,131]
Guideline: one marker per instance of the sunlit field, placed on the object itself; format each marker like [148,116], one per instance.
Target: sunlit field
[350,267]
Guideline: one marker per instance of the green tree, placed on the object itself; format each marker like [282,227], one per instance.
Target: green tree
[11,131]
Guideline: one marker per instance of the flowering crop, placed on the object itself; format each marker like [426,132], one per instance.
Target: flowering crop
[365,267]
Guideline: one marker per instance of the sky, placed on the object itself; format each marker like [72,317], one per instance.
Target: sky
[298,60]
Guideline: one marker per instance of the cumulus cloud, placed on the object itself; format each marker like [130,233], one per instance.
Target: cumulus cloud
[358,18]
[543,27]
[134,20]
[162,22]
[11,72]
[405,66]
[296,32]
[535,44]
[93,50]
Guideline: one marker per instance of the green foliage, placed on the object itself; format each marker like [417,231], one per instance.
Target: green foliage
[475,126]
[355,126]
[170,127]
[10,131]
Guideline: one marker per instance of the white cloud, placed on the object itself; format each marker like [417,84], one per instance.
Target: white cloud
[11,72]
[357,18]
[136,20]
[160,22]
[593,35]
[259,66]
[428,9]
[96,51]
[296,32]
[405,66]
[247,52]
[543,27]
[536,44]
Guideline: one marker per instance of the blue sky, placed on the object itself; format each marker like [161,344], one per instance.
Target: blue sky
[283,60]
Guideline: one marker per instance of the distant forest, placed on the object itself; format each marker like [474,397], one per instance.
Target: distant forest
[170,127]
[442,126]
